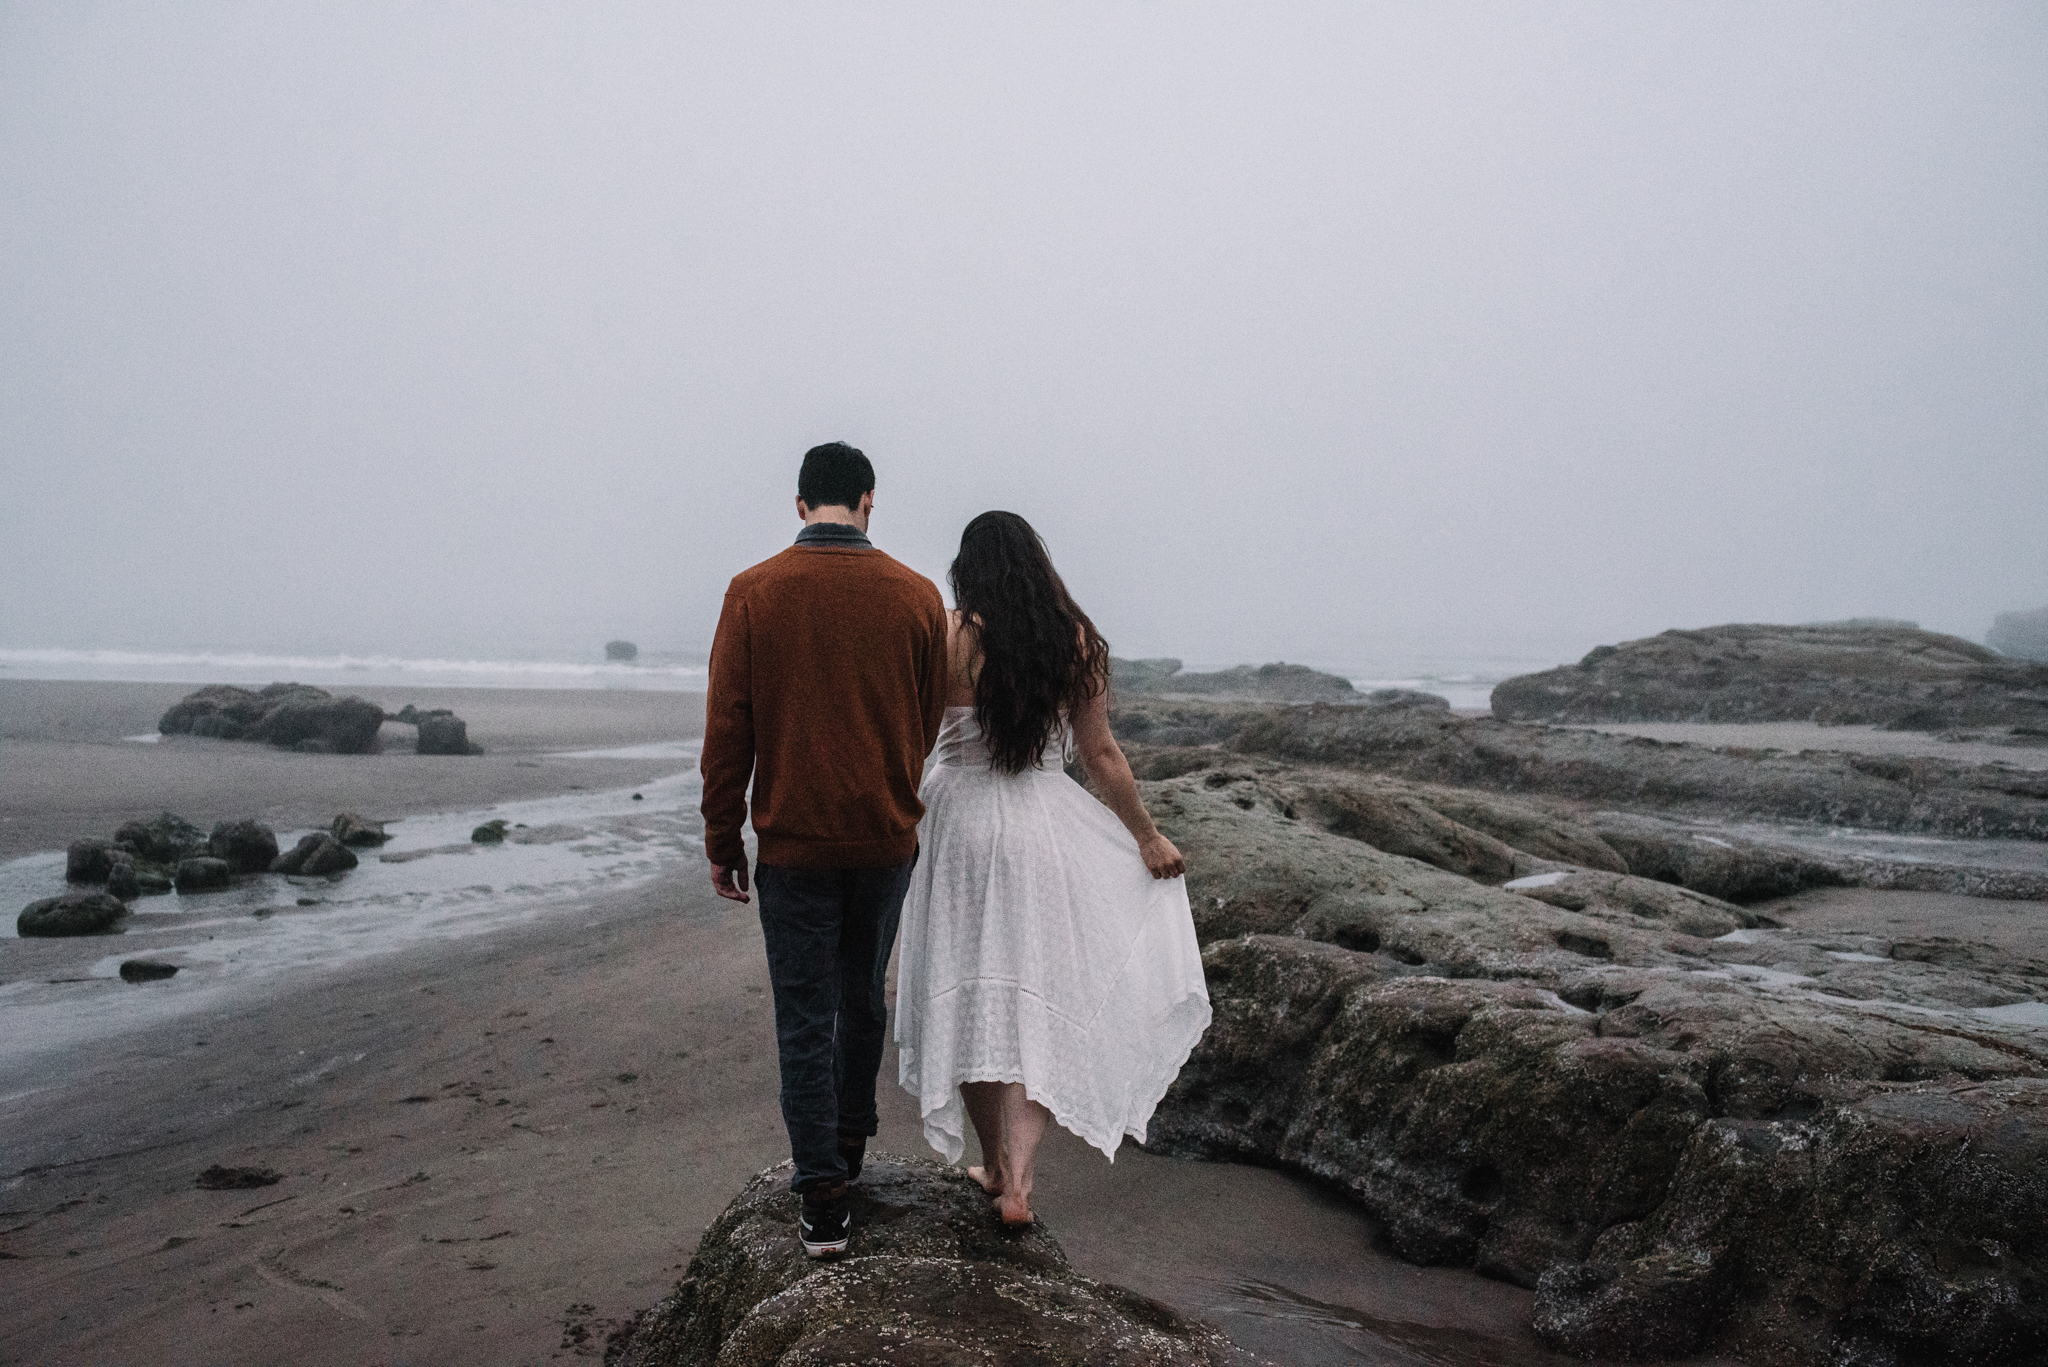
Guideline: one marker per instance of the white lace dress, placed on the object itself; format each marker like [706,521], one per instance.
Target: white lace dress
[1037,948]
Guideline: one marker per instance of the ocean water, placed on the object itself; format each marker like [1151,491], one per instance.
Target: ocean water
[1463,681]
[256,668]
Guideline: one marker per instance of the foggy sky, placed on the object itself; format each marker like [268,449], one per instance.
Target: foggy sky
[1317,332]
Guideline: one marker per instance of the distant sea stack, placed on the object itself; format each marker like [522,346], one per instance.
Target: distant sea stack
[2022,635]
[1260,683]
[1866,672]
[621,652]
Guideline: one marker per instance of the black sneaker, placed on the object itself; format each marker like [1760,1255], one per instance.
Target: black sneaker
[825,1226]
[853,1148]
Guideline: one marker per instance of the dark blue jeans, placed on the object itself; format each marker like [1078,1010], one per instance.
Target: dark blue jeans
[829,933]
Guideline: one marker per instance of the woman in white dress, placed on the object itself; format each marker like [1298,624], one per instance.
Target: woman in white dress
[1049,968]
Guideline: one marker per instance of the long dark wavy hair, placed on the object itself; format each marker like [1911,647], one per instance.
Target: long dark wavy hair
[1039,652]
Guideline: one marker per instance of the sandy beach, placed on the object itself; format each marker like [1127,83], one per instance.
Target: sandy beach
[491,1148]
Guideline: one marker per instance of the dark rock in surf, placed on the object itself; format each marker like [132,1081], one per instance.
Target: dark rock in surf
[123,881]
[311,719]
[351,829]
[315,855]
[164,839]
[1893,676]
[621,652]
[492,832]
[89,860]
[288,715]
[933,1278]
[204,874]
[443,734]
[152,881]
[74,913]
[248,846]
[146,971]
[218,710]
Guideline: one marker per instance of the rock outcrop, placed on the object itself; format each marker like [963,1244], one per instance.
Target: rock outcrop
[204,874]
[1273,682]
[315,855]
[2022,635]
[74,913]
[444,734]
[247,845]
[933,1278]
[621,652]
[351,829]
[439,731]
[124,881]
[90,860]
[1685,1127]
[163,839]
[1893,676]
[288,715]
[1881,792]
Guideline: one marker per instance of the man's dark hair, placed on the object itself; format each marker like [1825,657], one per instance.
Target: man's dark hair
[834,473]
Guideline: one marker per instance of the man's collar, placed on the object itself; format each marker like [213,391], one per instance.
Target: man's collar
[833,534]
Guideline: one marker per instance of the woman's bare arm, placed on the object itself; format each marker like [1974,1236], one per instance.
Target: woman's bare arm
[1110,773]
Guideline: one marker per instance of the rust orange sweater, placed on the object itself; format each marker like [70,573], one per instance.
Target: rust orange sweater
[828,684]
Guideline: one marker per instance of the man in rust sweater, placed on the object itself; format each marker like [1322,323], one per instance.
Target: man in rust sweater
[828,684]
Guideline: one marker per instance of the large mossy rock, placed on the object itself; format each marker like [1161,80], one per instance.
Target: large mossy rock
[1886,675]
[74,913]
[1625,1094]
[933,1278]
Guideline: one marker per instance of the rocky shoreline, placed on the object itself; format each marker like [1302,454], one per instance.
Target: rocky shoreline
[1566,1044]
[934,1279]
[1891,675]
[1417,738]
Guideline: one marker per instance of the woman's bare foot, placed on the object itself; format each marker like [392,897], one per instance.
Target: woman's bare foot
[989,1182]
[1015,1210]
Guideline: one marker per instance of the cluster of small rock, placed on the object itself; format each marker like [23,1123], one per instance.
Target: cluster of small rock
[300,717]
[166,852]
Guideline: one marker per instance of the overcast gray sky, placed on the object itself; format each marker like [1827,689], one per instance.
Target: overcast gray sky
[1323,332]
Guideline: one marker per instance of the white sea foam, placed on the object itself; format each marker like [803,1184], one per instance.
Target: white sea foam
[255,667]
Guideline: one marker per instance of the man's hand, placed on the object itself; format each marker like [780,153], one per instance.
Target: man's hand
[730,881]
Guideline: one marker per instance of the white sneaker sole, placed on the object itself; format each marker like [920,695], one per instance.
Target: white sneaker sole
[831,1248]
